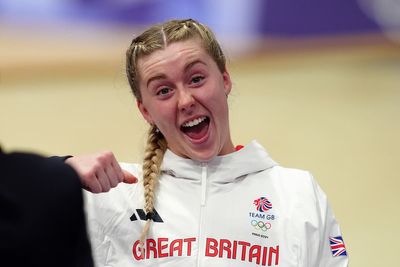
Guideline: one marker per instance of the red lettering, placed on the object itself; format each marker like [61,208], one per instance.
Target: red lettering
[136,250]
[189,244]
[229,249]
[151,246]
[264,258]
[244,245]
[161,247]
[222,248]
[255,253]
[270,254]
[234,249]
[211,244]
[176,245]
[225,245]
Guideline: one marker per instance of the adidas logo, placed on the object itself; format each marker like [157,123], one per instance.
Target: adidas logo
[145,216]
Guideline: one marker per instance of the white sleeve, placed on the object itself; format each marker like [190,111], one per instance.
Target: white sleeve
[101,210]
[96,230]
[327,241]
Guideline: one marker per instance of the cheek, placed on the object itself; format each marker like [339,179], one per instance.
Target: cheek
[218,102]
[219,108]
[214,94]
[164,116]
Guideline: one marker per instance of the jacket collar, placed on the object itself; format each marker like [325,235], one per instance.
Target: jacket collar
[222,169]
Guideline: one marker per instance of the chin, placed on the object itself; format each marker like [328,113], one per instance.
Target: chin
[203,156]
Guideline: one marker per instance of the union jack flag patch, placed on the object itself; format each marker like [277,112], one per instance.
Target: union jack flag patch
[337,246]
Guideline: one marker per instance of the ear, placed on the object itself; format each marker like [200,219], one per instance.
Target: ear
[227,82]
[146,115]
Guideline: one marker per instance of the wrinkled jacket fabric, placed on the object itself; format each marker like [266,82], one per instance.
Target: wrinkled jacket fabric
[241,209]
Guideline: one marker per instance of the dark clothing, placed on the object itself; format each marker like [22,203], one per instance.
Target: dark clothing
[42,221]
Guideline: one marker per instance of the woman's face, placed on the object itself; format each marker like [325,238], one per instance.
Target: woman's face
[185,95]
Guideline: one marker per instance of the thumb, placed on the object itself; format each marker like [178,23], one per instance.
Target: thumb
[129,178]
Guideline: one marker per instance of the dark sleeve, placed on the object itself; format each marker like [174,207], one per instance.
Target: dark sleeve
[59,158]
[42,221]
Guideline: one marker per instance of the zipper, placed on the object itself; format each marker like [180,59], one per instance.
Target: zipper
[203,183]
[202,206]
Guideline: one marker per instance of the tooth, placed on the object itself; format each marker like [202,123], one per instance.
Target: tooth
[194,122]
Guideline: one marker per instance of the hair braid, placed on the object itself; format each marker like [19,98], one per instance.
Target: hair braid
[154,153]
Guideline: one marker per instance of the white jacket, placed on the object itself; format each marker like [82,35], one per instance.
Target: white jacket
[241,209]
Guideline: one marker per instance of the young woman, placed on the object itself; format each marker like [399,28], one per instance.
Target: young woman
[200,201]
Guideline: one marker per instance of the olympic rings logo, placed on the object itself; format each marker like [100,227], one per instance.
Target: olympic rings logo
[260,225]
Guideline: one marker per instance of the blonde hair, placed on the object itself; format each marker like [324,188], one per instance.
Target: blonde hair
[156,38]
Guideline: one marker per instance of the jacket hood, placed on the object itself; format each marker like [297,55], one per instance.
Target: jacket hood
[222,169]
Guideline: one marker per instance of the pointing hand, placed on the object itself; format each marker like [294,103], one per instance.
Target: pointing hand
[100,172]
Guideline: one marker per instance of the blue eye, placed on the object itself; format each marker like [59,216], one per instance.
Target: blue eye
[163,91]
[197,79]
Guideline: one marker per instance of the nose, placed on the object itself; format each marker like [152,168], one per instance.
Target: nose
[186,101]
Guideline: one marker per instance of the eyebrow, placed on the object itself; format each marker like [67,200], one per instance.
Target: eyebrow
[186,68]
[154,78]
[191,64]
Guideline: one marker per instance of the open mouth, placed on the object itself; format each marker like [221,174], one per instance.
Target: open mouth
[196,129]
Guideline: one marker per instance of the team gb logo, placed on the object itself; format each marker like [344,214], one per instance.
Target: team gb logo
[262,204]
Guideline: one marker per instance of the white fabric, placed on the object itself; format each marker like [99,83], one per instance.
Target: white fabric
[214,221]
